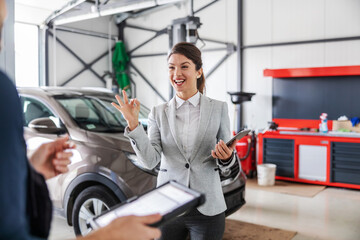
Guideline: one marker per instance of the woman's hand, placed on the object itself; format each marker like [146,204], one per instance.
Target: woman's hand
[129,110]
[222,151]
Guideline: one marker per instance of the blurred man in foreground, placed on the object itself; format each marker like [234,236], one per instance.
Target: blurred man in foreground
[24,201]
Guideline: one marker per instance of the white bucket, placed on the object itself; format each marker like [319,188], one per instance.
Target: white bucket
[266,174]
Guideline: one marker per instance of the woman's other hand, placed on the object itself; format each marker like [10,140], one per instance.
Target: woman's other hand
[222,151]
[129,110]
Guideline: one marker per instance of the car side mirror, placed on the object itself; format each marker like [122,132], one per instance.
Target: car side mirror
[45,125]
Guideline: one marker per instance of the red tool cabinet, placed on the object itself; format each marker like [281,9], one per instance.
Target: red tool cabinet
[300,95]
[310,157]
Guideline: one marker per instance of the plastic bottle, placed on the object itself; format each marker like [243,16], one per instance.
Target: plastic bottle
[323,127]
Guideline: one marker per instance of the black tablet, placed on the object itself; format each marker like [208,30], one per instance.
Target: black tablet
[169,200]
[237,137]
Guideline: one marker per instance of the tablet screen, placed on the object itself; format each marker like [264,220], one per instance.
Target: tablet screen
[161,200]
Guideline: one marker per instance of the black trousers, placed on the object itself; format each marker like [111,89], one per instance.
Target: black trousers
[195,225]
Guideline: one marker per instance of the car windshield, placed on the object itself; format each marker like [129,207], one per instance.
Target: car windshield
[97,114]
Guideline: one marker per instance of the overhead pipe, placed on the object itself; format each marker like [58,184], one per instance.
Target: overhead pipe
[66,8]
[86,32]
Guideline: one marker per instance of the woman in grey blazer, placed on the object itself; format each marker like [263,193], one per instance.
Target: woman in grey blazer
[181,134]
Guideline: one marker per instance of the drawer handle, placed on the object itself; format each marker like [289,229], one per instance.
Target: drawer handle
[324,142]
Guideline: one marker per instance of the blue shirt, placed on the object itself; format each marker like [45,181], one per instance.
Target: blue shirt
[13,165]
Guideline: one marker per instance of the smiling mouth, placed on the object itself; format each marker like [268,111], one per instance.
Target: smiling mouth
[179,82]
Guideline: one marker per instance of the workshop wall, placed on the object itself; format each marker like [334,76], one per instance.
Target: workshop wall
[264,22]
[287,21]
[88,48]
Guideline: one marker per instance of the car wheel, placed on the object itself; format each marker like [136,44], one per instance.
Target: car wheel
[91,202]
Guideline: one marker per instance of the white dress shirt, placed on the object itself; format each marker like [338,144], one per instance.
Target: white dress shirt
[187,122]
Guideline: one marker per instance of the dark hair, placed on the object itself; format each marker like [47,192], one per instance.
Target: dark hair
[190,51]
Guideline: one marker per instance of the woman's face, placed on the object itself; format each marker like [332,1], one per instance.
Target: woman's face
[183,75]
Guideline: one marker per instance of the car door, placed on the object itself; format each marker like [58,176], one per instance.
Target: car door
[34,108]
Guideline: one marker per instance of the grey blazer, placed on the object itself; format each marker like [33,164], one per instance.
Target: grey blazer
[162,145]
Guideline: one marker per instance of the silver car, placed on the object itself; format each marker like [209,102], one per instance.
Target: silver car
[104,169]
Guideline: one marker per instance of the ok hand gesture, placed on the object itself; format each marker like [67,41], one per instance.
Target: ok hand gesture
[129,110]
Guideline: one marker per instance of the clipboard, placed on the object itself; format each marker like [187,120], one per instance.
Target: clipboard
[170,200]
[237,137]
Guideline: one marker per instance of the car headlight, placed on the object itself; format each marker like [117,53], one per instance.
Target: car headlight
[134,159]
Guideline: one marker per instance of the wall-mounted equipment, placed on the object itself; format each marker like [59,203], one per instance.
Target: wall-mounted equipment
[240,97]
[184,30]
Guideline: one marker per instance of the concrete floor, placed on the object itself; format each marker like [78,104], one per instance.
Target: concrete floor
[60,230]
[332,214]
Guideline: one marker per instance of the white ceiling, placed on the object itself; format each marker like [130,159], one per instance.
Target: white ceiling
[36,11]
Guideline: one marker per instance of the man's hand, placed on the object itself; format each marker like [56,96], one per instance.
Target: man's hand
[128,228]
[50,159]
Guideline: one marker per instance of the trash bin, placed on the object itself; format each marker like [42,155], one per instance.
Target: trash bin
[266,174]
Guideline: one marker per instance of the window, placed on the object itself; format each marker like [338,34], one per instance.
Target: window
[92,114]
[33,109]
[26,55]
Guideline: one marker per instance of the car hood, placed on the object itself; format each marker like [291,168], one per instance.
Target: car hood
[110,140]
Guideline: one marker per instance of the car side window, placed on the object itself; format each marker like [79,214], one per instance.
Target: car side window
[33,108]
